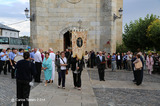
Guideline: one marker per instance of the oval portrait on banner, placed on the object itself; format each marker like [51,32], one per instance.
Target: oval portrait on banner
[73,1]
[79,42]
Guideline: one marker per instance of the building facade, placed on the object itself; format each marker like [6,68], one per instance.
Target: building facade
[55,20]
[6,31]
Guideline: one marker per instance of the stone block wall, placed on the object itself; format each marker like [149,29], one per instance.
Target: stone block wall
[55,17]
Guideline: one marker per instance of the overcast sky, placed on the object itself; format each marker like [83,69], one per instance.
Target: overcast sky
[12,11]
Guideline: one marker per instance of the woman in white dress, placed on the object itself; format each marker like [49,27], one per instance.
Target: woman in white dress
[53,57]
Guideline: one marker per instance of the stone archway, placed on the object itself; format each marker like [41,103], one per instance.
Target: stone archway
[66,37]
[65,32]
[67,40]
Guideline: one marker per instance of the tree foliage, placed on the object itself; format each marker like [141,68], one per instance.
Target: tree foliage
[134,36]
[153,32]
[121,48]
[27,39]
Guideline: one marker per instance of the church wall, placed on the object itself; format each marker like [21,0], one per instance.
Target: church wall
[55,17]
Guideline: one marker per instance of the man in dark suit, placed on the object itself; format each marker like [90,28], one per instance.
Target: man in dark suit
[119,61]
[101,66]
[92,58]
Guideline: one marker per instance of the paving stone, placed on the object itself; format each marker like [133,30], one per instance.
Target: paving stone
[127,97]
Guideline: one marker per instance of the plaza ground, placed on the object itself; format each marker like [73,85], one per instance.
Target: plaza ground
[117,90]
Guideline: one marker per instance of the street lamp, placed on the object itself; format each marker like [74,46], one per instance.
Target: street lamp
[120,13]
[32,17]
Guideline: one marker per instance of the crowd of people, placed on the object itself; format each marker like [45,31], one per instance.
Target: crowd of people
[137,62]
[36,60]
[123,61]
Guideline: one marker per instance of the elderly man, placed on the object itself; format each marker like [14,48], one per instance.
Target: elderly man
[101,65]
[32,54]
[3,66]
[53,57]
[119,60]
[129,62]
[38,63]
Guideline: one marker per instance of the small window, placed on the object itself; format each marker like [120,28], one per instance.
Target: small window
[10,33]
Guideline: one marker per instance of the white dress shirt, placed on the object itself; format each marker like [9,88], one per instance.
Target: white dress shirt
[37,57]
[100,57]
[119,57]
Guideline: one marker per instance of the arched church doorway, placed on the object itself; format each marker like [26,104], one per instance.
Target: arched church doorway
[67,40]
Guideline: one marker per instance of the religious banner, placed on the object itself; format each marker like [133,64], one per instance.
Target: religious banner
[79,42]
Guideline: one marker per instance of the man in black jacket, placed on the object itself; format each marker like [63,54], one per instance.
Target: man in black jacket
[101,66]
[119,61]
[92,58]
[77,68]
[25,70]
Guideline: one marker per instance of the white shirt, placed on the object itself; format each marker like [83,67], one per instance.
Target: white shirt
[130,57]
[86,57]
[119,57]
[37,57]
[52,56]
[61,62]
[100,57]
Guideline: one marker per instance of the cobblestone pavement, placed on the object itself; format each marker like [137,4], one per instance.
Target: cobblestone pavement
[7,90]
[127,97]
[122,75]
[119,90]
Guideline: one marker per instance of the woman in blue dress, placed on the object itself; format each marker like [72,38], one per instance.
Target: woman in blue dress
[47,68]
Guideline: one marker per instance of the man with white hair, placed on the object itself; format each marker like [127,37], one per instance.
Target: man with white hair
[101,66]
[53,57]
[38,63]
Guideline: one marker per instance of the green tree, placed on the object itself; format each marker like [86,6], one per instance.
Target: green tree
[134,36]
[121,48]
[153,32]
[26,40]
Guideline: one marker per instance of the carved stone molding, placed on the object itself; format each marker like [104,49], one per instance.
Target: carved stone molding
[73,1]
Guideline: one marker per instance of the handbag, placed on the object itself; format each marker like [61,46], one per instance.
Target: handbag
[66,66]
[138,65]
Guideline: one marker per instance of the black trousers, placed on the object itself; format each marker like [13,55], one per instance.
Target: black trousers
[119,64]
[92,62]
[124,64]
[3,66]
[13,69]
[8,66]
[23,90]
[138,77]
[101,74]
[77,79]
[38,69]
[62,78]
[0,66]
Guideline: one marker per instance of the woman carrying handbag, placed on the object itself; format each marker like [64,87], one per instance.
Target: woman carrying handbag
[138,68]
[61,69]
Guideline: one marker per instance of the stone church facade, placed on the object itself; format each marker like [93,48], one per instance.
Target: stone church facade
[55,20]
